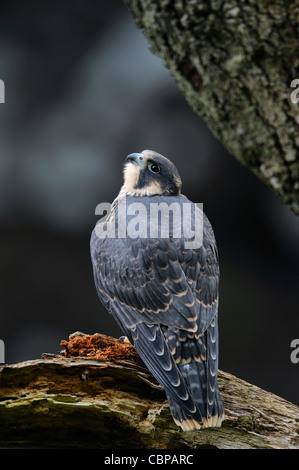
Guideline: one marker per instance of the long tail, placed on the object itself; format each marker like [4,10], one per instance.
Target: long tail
[197,361]
[185,366]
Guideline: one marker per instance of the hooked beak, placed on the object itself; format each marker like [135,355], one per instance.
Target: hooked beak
[137,159]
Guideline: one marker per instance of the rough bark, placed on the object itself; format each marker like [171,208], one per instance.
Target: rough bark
[234,62]
[107,399]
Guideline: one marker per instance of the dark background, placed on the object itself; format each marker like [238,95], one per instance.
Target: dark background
[82,91]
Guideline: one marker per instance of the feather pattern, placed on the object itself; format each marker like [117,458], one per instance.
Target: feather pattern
[164,297]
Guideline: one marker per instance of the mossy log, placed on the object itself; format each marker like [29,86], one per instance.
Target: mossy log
[236,63]
[98,394]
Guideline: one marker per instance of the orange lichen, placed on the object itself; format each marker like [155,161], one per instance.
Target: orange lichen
[97,346]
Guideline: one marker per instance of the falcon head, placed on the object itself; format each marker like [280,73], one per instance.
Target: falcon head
[150,174]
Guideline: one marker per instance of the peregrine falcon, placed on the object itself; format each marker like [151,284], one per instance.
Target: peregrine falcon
[156,271]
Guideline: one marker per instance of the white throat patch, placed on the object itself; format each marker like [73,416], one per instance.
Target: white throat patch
[131,175]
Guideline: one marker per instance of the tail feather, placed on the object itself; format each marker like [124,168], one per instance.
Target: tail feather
[214,408]
[186,421]
[186,366]
[197,361]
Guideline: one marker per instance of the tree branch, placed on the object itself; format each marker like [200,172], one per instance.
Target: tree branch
[234,62]
[98,394]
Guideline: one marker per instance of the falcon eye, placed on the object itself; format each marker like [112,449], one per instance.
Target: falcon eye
[153,167]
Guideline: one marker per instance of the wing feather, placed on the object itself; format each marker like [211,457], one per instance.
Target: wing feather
[165,298]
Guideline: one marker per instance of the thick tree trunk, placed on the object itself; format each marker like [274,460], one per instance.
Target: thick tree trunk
[98,394]
[234,62]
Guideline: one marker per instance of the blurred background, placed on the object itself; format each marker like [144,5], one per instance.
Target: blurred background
[82,91]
